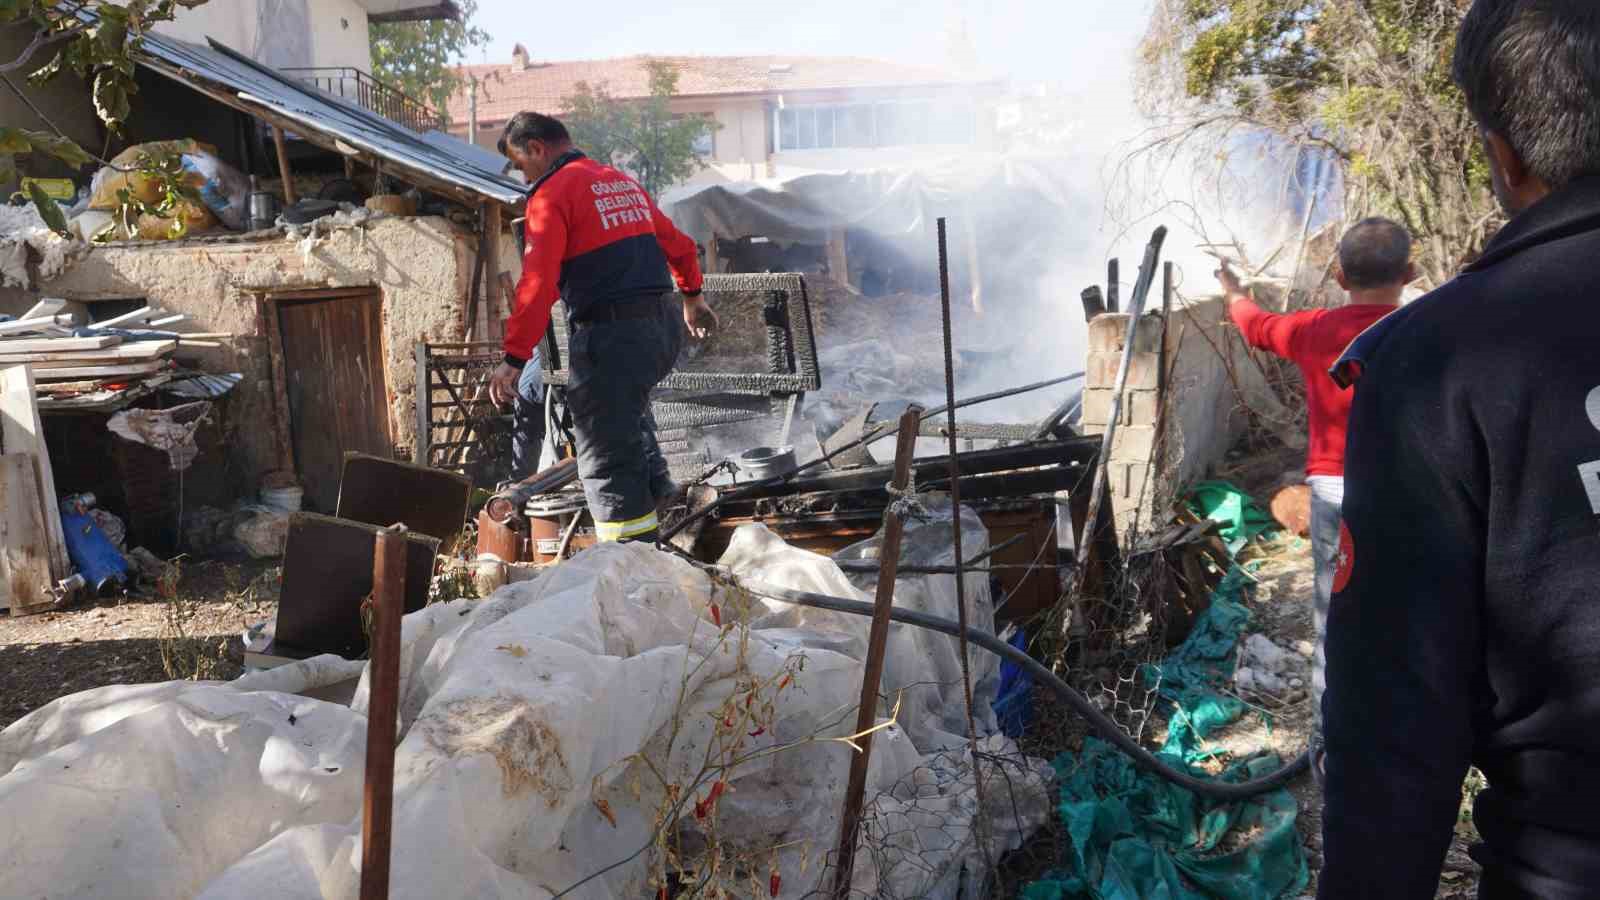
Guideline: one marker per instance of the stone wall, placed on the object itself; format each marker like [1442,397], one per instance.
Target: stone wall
[421,267]
[1210,380]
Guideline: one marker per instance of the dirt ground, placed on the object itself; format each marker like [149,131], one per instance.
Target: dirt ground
[1281,610]
[190,629]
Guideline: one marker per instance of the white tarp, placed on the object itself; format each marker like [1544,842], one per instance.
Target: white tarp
[538,730]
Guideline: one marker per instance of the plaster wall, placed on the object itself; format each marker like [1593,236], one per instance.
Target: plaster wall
[1211,381]
[421,268]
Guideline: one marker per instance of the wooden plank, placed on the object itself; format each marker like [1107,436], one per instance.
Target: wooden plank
[22,432]
[283,167]
[280,383]
[138,315]
[76,311]
[133,350]
[37,323]
[337,395]
[492,273]
[25,578]
[75,372]
[57,345]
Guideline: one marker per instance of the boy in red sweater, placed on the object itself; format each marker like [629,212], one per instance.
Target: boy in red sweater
[1374,268]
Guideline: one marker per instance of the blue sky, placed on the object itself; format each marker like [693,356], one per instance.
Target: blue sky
[1085,41]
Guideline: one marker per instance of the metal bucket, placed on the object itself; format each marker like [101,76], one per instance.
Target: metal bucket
[766,462]
[263,210]
[549,517]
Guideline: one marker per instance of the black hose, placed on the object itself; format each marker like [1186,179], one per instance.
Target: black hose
[1218,790]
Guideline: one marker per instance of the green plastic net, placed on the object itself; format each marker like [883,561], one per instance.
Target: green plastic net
[1133,835]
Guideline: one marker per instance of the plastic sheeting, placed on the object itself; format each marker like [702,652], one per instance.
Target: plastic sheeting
[539,729]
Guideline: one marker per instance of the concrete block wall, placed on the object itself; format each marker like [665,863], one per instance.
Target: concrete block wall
[1210,380]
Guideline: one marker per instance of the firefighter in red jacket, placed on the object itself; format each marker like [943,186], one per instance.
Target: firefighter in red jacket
[597,240]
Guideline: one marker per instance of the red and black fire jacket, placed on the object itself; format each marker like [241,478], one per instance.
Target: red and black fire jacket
[593,236]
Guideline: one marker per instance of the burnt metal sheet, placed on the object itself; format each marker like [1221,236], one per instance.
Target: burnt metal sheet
[1072,455]
[382,492]
[327,572]
[323,119]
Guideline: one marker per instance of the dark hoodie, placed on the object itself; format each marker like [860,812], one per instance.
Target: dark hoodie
[1465,625]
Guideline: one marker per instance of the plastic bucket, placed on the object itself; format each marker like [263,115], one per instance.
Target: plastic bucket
[283,499]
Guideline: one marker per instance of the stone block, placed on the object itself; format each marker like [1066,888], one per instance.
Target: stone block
[1109,332]
[1133,443]
[1096,408]
[1135,484]
[1141,407]
[1143,370]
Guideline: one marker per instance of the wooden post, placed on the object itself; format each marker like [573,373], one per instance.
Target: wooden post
[877,642]
[283,167]
[422,444]
[838,261]
[493,217]
[22,431]
[383,708]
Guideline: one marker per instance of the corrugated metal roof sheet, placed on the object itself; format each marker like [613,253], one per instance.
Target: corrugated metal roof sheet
[436,162]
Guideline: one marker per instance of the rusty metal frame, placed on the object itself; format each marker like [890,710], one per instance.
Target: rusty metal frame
[798,375]
[433,363]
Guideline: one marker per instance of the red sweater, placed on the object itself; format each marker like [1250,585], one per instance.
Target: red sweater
[593,237]
[1313,340]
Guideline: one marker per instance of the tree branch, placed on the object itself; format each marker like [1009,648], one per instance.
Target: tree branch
[42,38]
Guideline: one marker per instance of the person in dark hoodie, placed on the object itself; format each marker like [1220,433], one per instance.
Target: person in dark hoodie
[1465,623]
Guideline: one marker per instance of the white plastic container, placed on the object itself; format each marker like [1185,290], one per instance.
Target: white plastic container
[284,499]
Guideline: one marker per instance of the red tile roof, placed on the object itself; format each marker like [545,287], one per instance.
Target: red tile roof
[504,91]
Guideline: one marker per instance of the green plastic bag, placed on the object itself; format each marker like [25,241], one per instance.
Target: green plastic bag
[1241,517]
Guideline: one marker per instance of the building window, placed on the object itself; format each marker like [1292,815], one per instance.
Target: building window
[705,146]
[894,123]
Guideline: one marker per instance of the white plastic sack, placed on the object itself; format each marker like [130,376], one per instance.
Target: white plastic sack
[537,727]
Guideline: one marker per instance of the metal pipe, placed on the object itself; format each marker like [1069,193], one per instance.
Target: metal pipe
[955,525]
[1108,729]
[877,645]
[383,709]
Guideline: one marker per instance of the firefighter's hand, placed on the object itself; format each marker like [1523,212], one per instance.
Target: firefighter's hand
[698,316]
[503,383]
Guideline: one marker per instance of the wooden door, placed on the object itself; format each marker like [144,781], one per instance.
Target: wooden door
[337,398]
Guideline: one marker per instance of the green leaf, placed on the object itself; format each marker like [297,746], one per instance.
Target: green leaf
[15,141]
[8,168]
[111,97]
[49,210]
[49,70]
[12,10]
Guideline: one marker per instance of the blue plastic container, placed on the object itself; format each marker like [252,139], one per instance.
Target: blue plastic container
[1013,706]
[91,551]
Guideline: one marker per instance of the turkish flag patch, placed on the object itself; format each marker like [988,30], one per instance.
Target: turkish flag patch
[1345,562]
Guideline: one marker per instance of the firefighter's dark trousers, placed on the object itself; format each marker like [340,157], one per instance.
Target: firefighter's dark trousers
[614,364]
